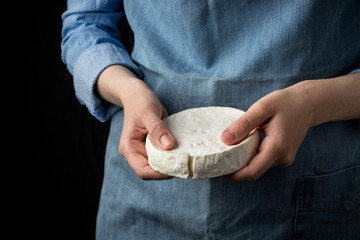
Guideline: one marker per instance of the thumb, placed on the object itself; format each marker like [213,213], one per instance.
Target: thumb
[242,126]
[159,133]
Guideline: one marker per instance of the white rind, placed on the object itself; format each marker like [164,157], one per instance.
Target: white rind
[228,161]
[211,158]
[172,164]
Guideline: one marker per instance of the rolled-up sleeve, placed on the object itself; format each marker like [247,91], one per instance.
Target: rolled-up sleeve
[91,42]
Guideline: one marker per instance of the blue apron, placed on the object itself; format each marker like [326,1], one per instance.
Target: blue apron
[232,53]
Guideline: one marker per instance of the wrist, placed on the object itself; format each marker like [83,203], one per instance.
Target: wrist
[309,92]
[116,84]
[333,99]
[131,90]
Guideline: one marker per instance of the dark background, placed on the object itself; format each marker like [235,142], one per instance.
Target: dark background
[68,144]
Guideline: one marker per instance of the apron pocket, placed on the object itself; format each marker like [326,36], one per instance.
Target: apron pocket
[328,206]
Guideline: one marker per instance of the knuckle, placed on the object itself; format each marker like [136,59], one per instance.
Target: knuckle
[253,175]
[262,106]
[287,164]
[243,123]
[265,106]
[143,176]
[282,151]
[287,160]
[123,147]
[155,127]
[280,146]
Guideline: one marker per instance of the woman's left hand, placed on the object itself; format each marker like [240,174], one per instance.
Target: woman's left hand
[285,117]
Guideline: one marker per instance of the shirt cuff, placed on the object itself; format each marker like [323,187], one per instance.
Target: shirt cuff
[88,68]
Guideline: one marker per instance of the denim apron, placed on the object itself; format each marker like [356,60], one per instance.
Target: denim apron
[232,53]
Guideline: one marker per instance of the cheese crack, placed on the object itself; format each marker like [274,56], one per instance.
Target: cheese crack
[199,152]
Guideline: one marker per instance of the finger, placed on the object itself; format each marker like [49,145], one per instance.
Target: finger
[264,160]
[241,127]
[135,155]
[141,167]
[159,132]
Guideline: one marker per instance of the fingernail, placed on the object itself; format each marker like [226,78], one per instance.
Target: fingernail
[228,136]
[165,140]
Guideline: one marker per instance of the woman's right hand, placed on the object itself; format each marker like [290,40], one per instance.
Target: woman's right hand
[143,114]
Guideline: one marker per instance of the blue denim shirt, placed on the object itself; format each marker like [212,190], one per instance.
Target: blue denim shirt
[224,53]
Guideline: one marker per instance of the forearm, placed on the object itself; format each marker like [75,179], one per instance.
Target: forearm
[332,99]
[91,43]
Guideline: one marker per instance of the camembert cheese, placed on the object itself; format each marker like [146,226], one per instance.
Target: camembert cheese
[199,152]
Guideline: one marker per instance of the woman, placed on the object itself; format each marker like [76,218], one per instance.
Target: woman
[294,66]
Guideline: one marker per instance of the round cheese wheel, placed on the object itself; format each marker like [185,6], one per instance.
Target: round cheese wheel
[199,151]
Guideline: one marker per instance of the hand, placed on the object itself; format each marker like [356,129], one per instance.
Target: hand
[284,118]
[142,115]
[286,115]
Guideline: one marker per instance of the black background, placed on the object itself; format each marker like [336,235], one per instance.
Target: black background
[67,142]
